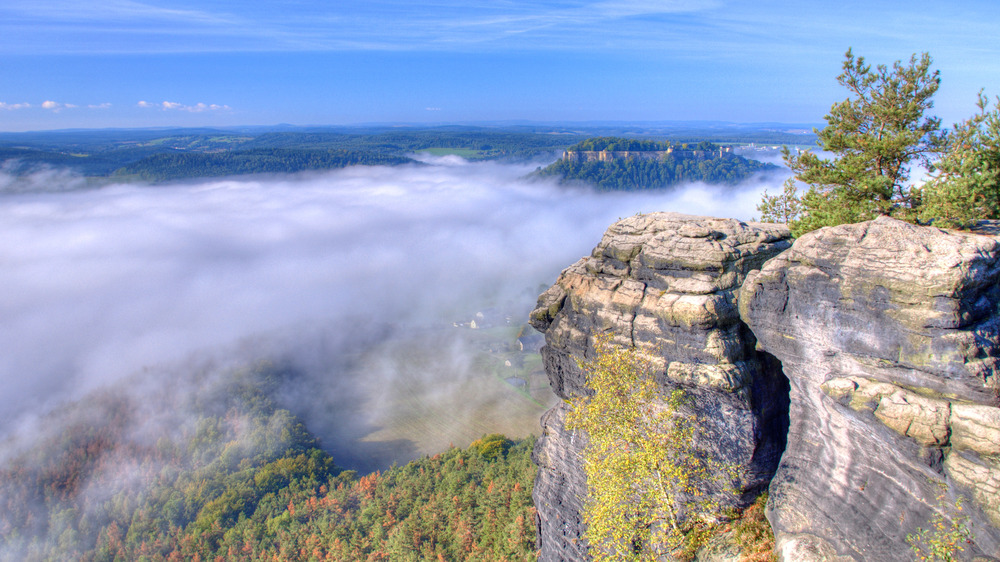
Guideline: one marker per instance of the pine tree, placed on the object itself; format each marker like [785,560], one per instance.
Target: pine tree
[783,208]
[966,186]
[874,134]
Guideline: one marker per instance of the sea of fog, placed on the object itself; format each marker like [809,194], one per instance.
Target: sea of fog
[364,279]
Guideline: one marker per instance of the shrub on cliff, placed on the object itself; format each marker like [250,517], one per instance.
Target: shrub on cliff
[645,477]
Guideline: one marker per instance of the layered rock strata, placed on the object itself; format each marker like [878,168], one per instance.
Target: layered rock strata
[668,285]
[889,334]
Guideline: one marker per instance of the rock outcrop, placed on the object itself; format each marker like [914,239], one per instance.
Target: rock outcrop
[668,285]
[889,334]
[560,487]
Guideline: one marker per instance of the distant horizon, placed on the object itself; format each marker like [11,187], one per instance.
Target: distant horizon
[512,123]
[150,63]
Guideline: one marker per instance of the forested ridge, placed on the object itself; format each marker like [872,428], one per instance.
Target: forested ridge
[160,167]
[625,174]
[617,144]
[182,154]
[245,480]
[165,155]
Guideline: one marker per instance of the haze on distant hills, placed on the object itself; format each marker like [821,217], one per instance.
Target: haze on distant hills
[158,155]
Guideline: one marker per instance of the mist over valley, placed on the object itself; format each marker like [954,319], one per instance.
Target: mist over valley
[158,336]
[266,273]
[363,282]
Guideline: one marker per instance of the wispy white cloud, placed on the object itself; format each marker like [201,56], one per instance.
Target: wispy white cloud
[626,8]
[174,106]
[109,10]
[689,29]
[50,105]
[549,25]
[56,107]
[200,107]
[154,26]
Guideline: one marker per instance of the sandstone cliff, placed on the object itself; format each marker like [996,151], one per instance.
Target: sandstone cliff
[667,284]
[888,333]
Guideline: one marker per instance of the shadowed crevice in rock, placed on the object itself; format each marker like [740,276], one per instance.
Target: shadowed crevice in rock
[770,397]
[888,334]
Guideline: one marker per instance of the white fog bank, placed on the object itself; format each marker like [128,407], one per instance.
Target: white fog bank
[100,284]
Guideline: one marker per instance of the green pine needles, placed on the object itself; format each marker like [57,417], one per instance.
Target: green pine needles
[644,474]
[966,187]
[874,136]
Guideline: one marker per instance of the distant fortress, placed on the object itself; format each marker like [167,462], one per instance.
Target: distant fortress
[610,155]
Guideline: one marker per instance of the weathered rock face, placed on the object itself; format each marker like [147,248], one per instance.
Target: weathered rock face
[667,284]
[889,334]
[559,489]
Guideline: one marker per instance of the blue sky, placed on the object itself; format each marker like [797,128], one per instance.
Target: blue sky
[138,63]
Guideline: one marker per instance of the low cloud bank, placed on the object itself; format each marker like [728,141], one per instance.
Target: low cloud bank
[338,274]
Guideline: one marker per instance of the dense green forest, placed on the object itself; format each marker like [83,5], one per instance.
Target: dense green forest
[180,165]
[618,143]
[670,169]
[174,154]
[225,474]
[182,154]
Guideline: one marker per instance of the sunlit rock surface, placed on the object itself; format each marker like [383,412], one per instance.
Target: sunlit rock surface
[667,284]
[889,335]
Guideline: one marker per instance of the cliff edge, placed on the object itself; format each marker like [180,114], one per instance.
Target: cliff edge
[666,284]
[888,334]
